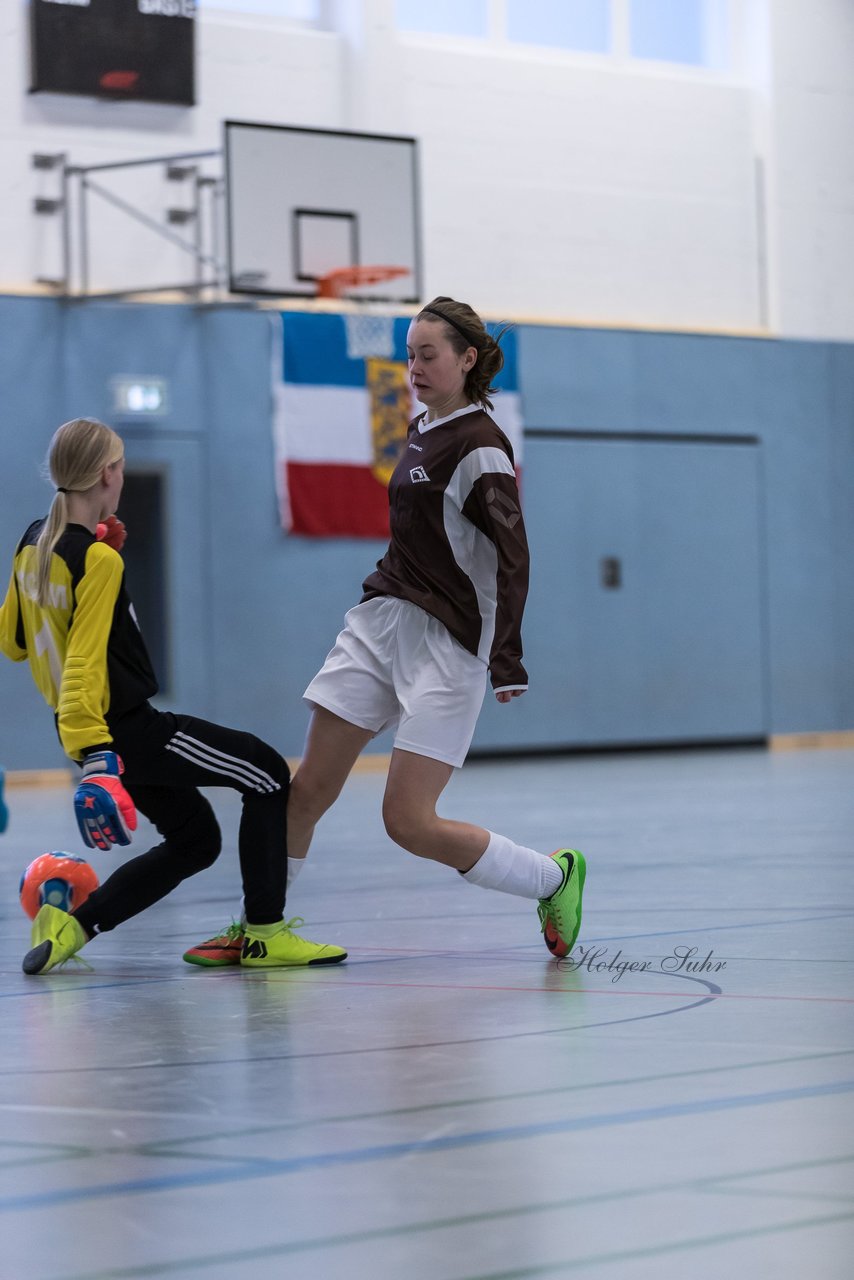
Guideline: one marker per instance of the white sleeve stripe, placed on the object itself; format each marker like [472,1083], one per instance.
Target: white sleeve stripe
[473,550]
[480,462]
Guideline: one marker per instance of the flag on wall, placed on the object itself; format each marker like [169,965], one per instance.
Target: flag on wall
[342,405]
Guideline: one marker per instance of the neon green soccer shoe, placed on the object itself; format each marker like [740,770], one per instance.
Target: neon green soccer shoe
[276,946]
[56,937]
[560,915]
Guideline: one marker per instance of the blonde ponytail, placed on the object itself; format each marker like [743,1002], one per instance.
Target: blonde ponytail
[78,453]
[51,532]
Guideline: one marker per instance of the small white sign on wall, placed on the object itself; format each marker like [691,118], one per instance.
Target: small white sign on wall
[135,396]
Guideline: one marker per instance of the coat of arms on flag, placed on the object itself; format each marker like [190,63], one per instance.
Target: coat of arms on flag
[341,409]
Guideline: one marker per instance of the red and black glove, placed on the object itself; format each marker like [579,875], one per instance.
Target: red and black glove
[113,532]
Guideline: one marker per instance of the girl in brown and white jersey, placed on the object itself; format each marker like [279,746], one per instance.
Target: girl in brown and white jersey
[442,611]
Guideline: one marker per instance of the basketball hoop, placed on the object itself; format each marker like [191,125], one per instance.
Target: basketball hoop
[335,284]
[370,332]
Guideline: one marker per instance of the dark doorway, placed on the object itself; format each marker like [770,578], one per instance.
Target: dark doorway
[142,509]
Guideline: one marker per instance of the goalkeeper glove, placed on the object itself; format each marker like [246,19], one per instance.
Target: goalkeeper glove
[105,812]
[113,532]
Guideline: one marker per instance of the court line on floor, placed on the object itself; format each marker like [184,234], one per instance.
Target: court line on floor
[613,990]
[436,1224]
[287,979]
[58,983]
[266,1168]
[369,1049]
[723,928]
[514,953]
[656,1251]
[313,979]
[344,981]
[493,1099]
[758,1194]
[482,1099]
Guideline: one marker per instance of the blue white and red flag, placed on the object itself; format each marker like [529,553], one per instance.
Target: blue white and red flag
[340,420]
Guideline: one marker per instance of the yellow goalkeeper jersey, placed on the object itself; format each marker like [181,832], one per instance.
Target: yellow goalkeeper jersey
[84,647]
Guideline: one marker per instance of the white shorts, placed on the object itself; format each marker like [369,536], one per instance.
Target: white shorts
[395,665]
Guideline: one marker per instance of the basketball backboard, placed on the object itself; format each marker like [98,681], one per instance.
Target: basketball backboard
[304,202]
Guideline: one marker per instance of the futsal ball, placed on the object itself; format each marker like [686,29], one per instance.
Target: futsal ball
[57,880]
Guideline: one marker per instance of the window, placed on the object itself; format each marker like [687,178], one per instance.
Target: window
[444,17]
[301,10]
[692,32]
[688,32]
[584,25]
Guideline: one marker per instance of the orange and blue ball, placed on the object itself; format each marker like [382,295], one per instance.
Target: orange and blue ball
[58,880]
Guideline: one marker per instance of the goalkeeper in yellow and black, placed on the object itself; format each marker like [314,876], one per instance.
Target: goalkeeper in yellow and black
[68,614]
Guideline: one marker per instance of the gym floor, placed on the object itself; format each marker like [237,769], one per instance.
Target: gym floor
[451,1104]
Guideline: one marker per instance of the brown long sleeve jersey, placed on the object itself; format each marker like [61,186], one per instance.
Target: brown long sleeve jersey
[458,547]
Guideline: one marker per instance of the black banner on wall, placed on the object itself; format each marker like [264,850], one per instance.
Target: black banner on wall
[134,49]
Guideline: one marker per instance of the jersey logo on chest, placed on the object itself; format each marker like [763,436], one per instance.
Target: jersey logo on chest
[417,475]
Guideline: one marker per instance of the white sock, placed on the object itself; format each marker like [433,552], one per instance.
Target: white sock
[511,868]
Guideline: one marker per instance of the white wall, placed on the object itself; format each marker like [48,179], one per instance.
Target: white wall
[552,187]
[557,191]
[812,114]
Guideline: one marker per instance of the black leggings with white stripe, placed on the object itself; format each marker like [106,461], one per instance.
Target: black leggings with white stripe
[167,758]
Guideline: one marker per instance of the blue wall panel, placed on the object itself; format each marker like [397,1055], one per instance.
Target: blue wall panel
[675,652]
[577,378]
[795,425]
[842,504]
[30,395]
[614,380]
[792,395]
[696,384]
